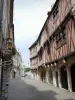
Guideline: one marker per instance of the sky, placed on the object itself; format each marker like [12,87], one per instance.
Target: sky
[29,17]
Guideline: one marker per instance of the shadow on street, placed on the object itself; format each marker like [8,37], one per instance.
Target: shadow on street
[20,90]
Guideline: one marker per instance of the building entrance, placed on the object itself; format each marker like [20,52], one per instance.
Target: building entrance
[73,77]
[57,79]
[64,77]
[51,76]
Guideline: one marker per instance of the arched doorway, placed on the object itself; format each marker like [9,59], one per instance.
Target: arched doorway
[51,77]
[73,77]
[64,82]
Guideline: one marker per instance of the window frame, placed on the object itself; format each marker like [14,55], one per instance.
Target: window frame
[60,40]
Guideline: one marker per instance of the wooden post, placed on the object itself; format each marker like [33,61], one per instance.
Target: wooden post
[69,79]
[54,79]
[47,75]
[59,78]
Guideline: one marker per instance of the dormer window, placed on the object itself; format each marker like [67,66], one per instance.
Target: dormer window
[56,11]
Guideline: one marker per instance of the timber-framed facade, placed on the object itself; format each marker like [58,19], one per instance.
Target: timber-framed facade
[55,47]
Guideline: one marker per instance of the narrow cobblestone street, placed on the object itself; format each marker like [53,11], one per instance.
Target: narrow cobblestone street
[34,90]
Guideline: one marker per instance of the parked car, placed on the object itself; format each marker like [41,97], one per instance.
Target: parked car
[24,75]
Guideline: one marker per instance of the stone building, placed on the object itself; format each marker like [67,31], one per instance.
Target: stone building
[17,63]
[7,48]
[55,47]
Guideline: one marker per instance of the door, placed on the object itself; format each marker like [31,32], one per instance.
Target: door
[57,79]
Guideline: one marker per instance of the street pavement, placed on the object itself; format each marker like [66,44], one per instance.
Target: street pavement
[29,89]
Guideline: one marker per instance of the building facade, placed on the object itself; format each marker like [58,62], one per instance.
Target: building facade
[56,47]
[17,63]
[34,59]
[7,48]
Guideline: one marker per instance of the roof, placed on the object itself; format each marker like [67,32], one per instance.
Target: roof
[33,44]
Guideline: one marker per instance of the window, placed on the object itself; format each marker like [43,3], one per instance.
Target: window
[61,38]
[64,34]
[40,55]
[56,11]
[48,48]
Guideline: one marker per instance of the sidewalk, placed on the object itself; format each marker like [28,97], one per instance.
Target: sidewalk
[60,94]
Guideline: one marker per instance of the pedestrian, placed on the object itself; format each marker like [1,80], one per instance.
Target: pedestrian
[14,74]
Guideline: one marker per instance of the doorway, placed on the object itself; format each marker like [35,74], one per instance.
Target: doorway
[57,79]
[41,75]
[73,77]
[44,75]
[51,76]
[64,77]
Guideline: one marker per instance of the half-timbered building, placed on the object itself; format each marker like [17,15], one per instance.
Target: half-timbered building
[34,59]
[56,46]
